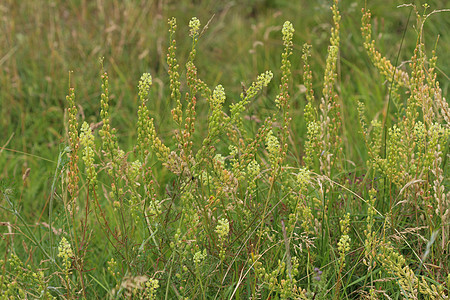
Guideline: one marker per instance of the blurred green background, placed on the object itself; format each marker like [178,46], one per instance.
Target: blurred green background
[42,42]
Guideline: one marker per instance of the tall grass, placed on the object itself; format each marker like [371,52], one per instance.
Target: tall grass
[225,201]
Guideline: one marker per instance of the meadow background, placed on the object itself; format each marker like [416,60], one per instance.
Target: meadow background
[48,46]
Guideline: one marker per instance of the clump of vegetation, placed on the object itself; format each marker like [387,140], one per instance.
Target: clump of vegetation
[224,210]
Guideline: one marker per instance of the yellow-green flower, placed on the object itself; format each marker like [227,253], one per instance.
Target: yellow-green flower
[144,85]
[303,177]
[218,96]
[223,228]
[65,252]
[288,32]
[87,141]
[199,256]
[151,286]
[194,25]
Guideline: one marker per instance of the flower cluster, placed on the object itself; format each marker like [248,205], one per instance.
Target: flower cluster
[147,137]
[194,25]
[87,141]
[237,108]
[174,76]
[73,144]
[199,256]
[288,32]
[218,97]
[66,254]
[253,170]
[223,228]
[216,123]
[144,85]
[303,178]
[370,242]
[261,81]
[273,147]
[344,241]
[150,287]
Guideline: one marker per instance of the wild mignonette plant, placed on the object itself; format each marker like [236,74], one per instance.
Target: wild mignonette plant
[324,124]
[408,155]
[224,212]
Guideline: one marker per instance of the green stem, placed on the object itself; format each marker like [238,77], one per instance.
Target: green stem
[59,167]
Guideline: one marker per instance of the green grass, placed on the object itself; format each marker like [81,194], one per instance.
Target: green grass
[280,229]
